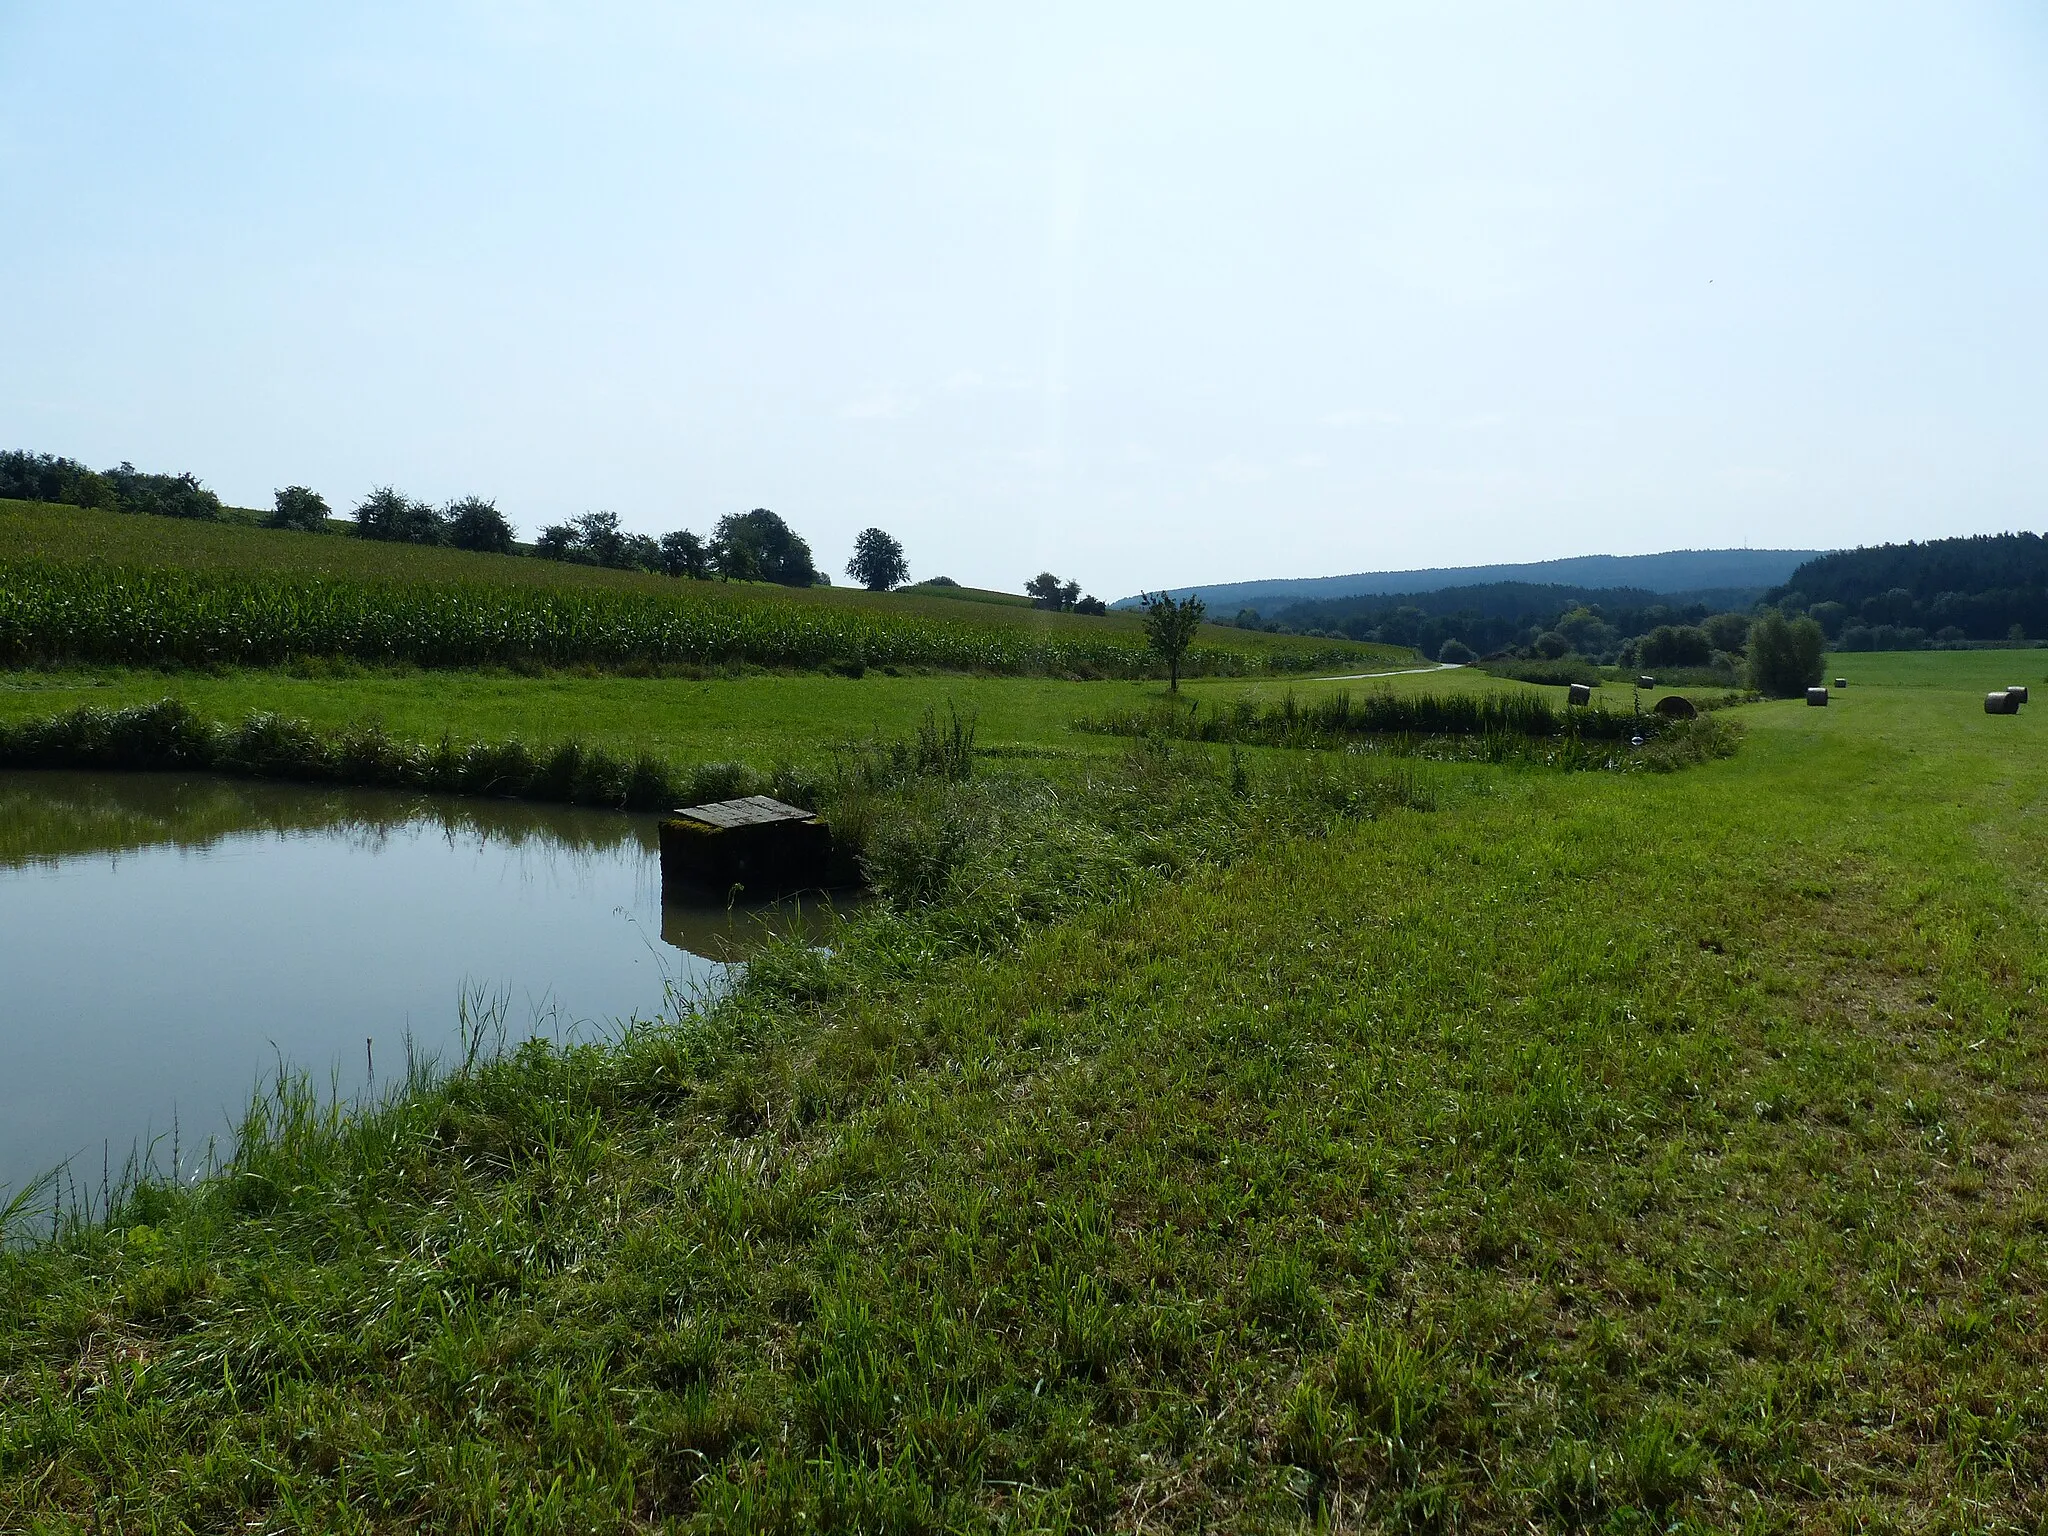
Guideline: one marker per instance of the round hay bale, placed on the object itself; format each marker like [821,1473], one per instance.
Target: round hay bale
[1675,706]
[2017,693]
[1579,693]
[1646,681]
[2001,703]
[1841,682]
[1818,697]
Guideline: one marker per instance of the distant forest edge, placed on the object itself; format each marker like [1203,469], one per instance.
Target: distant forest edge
[1986,587]
[1675,571]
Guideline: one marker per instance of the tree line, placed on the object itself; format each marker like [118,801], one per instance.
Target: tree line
[1983,588]
[757,545]
[46,477]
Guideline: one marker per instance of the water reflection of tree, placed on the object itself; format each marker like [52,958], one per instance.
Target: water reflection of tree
[48,817]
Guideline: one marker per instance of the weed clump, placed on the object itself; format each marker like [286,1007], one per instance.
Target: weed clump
[1494,728]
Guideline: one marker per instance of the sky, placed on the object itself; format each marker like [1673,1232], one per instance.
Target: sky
[1146,294]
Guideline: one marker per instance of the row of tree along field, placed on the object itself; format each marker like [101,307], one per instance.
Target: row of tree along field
[758,545]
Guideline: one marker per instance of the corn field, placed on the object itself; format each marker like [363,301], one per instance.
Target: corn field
[53,612]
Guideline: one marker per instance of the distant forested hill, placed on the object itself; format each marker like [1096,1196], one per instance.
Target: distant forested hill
[1496,615]
[1680,570]
[1973,588]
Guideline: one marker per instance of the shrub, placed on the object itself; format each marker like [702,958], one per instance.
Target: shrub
[395,518]
[474,523]
[1675,645]
[1785,655]
[298,507]
[1456,652]
[162,495]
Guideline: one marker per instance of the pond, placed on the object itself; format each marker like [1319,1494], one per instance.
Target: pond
[167,943]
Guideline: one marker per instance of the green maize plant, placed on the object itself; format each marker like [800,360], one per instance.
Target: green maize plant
[92,612]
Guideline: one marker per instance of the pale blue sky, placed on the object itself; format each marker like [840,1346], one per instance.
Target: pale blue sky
[1149,294]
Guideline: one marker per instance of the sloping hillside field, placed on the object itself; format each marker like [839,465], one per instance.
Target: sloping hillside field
[79,584]
[1192,1136]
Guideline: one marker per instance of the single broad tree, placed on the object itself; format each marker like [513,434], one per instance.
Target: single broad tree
[1170,626]
[1045,592]
[877,562]
[299,507]
[474,523]
[760,546]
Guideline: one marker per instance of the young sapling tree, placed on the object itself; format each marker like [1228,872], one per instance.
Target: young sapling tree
[1170,626]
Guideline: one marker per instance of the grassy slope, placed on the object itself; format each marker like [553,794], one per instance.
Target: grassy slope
[1602,1150]
[76,533]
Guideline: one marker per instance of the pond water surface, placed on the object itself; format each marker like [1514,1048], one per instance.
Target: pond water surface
[168,942]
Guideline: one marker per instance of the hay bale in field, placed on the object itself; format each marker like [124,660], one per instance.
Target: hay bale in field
[2001,703]
[2017,692]
[760,846]
[1841,682]
[1646,681]
[1578,693]
[1817,696]
[1675,706]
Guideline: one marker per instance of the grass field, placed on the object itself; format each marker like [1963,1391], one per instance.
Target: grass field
[760,717]
[1507,1150]
[213,574]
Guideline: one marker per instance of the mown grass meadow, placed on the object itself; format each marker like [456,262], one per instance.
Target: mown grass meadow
[1489,1149]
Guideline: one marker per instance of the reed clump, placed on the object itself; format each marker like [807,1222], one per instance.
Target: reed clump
[170,736]
[1479,727]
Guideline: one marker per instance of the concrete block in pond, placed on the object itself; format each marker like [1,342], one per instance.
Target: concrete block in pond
[761,846]
[2017,693]
[2001,703]
[1578,693]
[1676,706]
[1646,681]
[1817,696]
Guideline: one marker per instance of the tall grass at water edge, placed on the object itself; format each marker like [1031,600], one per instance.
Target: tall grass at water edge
[964,859]
[169,736]
[1492,727]
[89,612]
